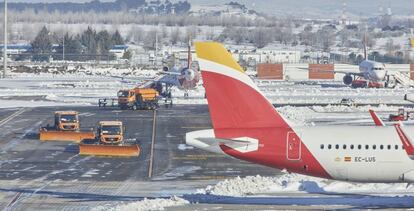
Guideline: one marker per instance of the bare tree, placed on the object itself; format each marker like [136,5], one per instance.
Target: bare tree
[137,34]
[150,39]
[175,35]
[261,37]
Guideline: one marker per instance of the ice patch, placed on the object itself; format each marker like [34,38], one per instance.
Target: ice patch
[90,173]
[184,147]
[146,204]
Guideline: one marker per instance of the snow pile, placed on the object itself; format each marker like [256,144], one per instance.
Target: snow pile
[299,183]
[240,186]
[335,109]
[146,204]
[296,115]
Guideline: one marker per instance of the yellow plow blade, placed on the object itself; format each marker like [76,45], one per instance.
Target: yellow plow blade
[109,150]
[53,135]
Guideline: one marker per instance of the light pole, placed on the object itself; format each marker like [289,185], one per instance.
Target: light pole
[5,40]
[63,49]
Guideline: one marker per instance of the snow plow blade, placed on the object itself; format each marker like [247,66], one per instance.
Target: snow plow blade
[110,150]
[74,136]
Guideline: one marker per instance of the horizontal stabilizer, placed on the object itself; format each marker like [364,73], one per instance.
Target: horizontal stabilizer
[205,139]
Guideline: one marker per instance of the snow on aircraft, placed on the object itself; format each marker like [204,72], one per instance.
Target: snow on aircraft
[246,126]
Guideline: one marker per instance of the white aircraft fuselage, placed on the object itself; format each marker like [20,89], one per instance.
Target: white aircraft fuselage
[246,126]
[373,71]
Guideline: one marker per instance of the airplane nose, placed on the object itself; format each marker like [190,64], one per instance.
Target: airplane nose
[380,74]
[189,74]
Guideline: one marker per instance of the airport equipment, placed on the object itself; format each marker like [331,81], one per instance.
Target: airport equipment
[109,141]
[138,99]
[401,116]
[66,128]
[347,102]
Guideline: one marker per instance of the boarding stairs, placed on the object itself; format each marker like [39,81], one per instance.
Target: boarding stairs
[403,79]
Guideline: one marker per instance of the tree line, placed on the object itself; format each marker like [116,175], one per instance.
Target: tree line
[88,45]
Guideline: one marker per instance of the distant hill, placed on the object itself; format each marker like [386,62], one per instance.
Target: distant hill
[94,5]
[142,6]
[321,8]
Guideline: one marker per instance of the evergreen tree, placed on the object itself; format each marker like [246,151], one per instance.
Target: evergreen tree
[42,45]
[104,42]
[72,47]
[88,39]
[117,38]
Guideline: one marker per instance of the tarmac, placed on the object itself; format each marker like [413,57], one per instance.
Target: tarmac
[52,176]
[37,175]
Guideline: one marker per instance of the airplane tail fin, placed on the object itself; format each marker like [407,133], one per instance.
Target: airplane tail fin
[377,120]
[365,47]
[406,141]
[233,98]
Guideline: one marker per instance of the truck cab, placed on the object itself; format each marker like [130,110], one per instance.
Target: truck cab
[67,120]
[126,98]
[110,132]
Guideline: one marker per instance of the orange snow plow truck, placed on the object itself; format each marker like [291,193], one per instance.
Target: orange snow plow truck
[109,141]
[138,99]
[65,128]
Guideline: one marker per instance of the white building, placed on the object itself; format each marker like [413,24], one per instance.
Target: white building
[118,50]
[267,55]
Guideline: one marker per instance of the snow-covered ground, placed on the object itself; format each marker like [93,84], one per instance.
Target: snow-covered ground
[295,183]
[29,90]
[87,86]
[145,204]
[286,189]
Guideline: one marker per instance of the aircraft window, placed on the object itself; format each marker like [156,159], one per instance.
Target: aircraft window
[396,146]
[374,147]
[322,146]
[337,146]
[352,146]
[381,146]
[389,146]
[329,146]
[366,146]
[359,146]
[344,146]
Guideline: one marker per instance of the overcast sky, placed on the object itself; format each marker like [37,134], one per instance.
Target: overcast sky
[321,8]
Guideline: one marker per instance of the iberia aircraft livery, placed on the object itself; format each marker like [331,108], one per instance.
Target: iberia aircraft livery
[246,126]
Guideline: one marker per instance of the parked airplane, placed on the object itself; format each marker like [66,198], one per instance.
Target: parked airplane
[246,126]
[184,78]
[371,74]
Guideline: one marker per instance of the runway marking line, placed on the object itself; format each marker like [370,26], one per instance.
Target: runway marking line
[151,160]
[189,158]
[197,157]
[14,199]
[195,127]
[12,116]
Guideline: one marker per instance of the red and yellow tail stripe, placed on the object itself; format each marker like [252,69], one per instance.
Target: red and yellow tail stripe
[213,57]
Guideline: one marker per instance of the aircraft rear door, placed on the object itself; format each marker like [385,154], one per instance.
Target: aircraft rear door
[293,146]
